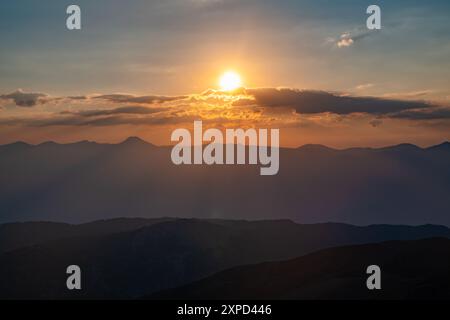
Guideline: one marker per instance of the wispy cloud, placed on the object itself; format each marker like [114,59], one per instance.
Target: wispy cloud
[345,41]
[438,113]
[349,38]
[126,98]
[121,110]
[364,86]
[410,94]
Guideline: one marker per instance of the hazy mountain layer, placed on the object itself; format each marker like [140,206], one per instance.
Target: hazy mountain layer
[88,181]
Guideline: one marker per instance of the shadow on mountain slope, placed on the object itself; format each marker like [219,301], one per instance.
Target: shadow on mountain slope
[410,270]
[129,258]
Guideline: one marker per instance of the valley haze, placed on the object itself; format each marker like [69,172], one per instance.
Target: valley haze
[87,181]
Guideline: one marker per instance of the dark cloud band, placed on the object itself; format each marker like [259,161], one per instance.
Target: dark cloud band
[311,102]
[23,99]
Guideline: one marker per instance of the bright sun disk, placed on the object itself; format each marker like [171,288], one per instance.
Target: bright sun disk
[230,81]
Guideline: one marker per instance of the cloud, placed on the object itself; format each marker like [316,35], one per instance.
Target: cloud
[347,39]
[78,97]
[102,117]
[345,42]
[365,86]
[23,99]
[121,110]
[246,107]
[411,94]
[127,98]
[376,123]
[436,113]
[80,120]
[312,102]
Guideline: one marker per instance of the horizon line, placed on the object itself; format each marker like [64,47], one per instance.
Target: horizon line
[139,139]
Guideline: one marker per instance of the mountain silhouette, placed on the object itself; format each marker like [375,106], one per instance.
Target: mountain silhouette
[18,235]
[129,258]
[409,270]
[87,181]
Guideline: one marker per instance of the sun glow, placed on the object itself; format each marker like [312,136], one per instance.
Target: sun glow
[230,80]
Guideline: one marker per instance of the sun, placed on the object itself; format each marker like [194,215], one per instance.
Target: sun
[230,80]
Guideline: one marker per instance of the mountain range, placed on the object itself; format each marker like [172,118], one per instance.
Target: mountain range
[409,270]
[88,181]
[132,258]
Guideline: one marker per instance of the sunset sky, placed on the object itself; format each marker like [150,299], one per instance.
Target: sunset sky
[143,68]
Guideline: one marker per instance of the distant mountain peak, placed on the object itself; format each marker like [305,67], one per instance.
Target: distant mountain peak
[315,147]
[407,145]
[134,140]
[402,147]
[16,145]
[443,146]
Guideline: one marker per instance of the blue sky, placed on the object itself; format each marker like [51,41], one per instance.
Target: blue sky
[181,46]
